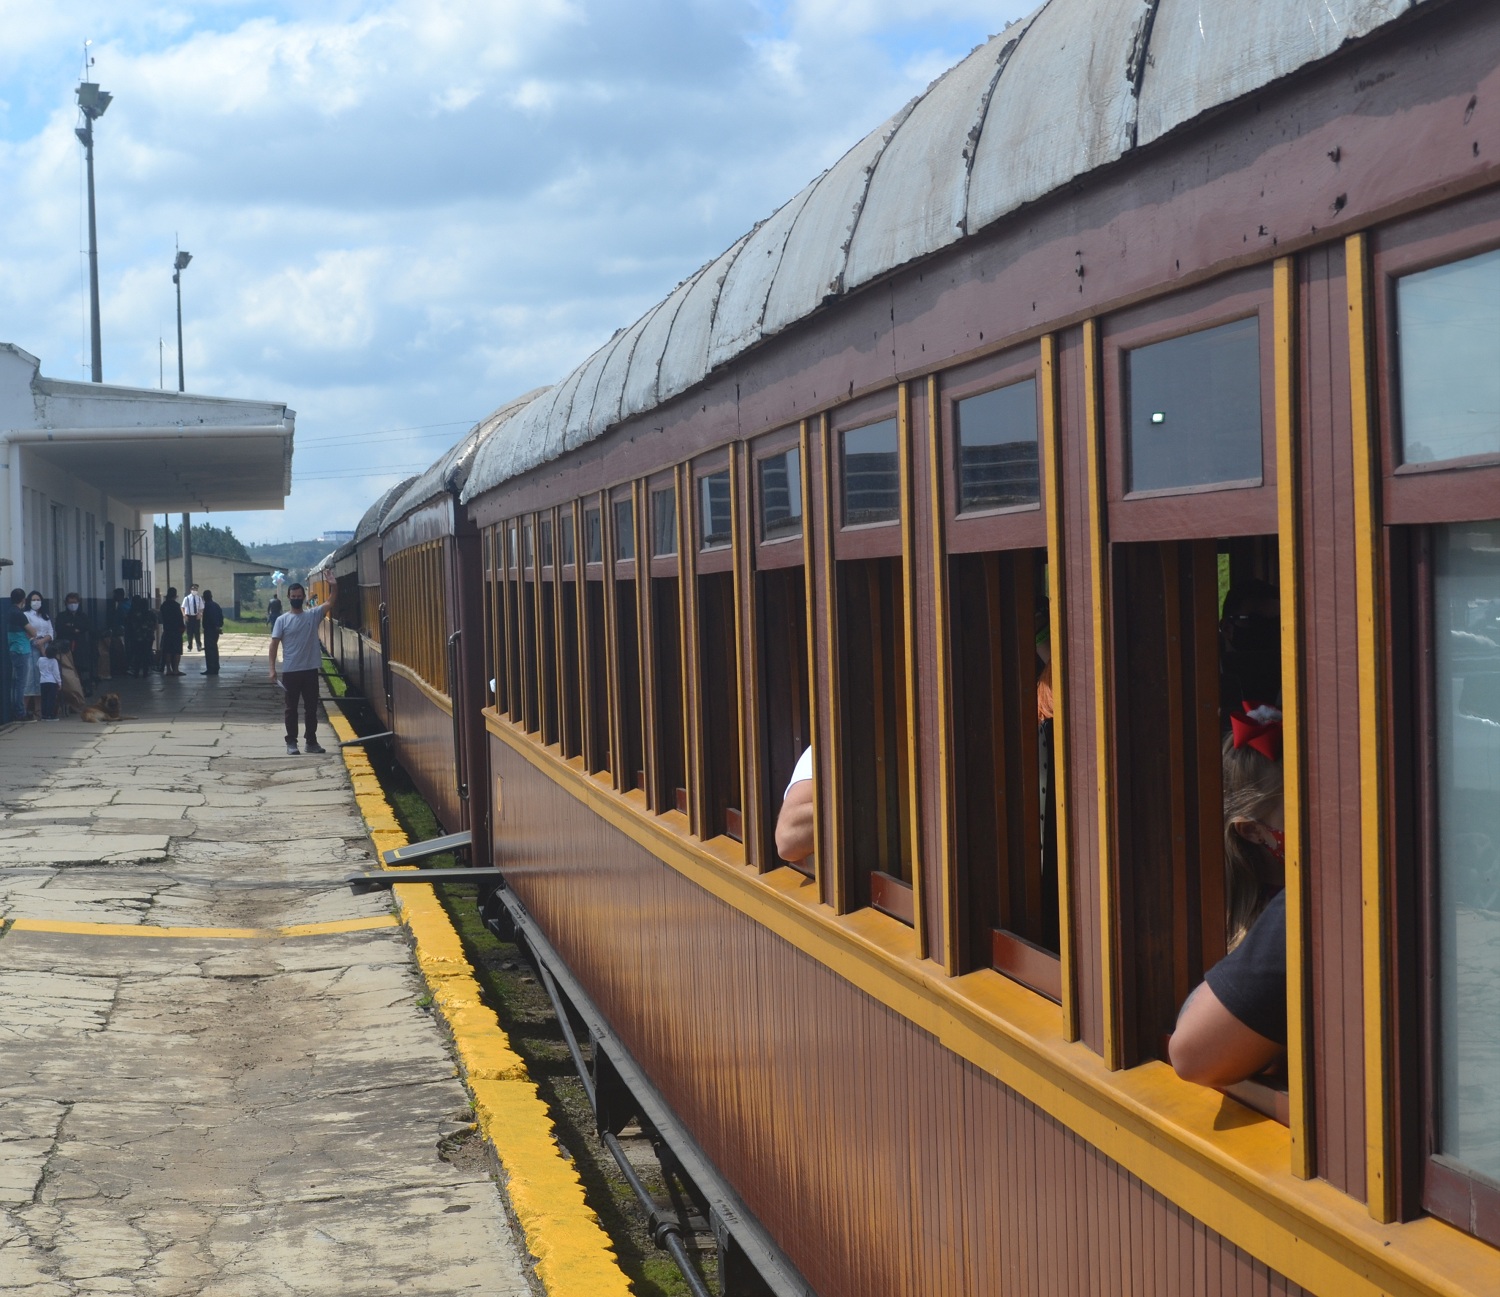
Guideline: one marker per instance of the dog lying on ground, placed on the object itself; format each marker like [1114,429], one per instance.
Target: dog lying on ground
[107,709]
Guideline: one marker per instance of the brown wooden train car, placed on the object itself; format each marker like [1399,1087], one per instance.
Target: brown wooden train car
[950,470]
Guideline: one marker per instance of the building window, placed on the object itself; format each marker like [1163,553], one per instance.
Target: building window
[997,448]
[1193,409]
[872,474]
[1448,337]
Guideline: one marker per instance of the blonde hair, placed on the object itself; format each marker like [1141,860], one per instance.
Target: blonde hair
[1252,790]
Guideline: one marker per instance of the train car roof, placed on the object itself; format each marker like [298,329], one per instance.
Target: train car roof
[370,523]
[343,551]
[451,469]
[1073,87]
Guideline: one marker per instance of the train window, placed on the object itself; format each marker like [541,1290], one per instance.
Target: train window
[526,554]
[663,523]
[1005,804]
[544,534]
[1465,867]
[565,537]
[547,611]
[624,531]
[1448,336]
[1193,406]
[872,474]
[670,731]
[593,538]
[715,514]
[718,667]
[514,691]
[596,714]
[510,532]
[997,448]
[781,495]
[531,665]
[876,808]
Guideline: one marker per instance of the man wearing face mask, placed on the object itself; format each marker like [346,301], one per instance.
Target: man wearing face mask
[302,661]
[75,635]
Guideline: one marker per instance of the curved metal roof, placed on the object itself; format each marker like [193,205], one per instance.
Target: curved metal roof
[1075,86]
[375,514]
[451,468]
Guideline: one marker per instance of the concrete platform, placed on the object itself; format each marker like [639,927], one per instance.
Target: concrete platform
[219,1077]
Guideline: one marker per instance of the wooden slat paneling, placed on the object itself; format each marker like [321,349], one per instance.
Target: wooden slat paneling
[883,1163]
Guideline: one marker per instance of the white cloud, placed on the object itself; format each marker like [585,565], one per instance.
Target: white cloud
[404,212]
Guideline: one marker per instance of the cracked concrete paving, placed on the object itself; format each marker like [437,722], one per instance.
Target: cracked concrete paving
[253,1117]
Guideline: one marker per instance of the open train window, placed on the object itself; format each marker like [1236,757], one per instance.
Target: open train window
[513,652]
[1005,801]
[531,635]
[595,644]
[629,718]
[668,726]
[547,633]
[1438,333]
[876,803]
[570,649]
[718,654]
[1193,596]
[494,620]
[785,692]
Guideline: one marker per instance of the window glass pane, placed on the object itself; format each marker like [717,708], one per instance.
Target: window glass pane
[593,539]
[1448,335]
[546,542]
[997,448]
[624,530]
[511,532]
[1466,592]
[526,543]
[714,510]
[1194,408]
[565,537]
[872,474]
[664,522]
[781,495]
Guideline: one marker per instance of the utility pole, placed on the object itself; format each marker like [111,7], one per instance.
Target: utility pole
[92,102]
[179,264]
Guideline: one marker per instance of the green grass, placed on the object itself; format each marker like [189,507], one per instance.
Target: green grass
[257,627]
[511,989]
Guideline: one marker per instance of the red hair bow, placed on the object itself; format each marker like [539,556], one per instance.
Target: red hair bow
[1258,727]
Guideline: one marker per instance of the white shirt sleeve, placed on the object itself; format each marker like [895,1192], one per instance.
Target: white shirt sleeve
[802,770]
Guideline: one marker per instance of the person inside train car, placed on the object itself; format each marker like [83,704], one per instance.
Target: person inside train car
[301,664]
[794,825]
[1249,646]
[1234,1025]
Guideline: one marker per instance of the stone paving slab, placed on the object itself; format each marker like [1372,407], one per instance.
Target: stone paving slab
[240,1117]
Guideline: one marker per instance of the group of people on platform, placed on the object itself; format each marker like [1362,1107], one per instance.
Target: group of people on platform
[57,657]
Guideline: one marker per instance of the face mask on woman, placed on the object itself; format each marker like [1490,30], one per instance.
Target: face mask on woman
[36,605]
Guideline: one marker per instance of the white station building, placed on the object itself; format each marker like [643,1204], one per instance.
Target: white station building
[87,465]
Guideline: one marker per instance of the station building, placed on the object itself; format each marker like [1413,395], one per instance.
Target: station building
[87,465]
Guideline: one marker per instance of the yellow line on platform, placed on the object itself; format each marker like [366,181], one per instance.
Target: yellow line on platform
[210,934]
[574,1256]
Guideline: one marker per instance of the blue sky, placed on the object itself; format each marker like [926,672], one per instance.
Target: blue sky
[402,213]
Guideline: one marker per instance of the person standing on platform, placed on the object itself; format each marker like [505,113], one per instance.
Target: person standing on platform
[117,630]
[18,645]
[75,637]
[301,664]
[42,635]
[171,634]
[192,613]
[273,610]
[213,627]
[140,635]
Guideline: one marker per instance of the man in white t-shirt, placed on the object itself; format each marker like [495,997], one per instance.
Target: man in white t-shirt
[794,826]
[296,634]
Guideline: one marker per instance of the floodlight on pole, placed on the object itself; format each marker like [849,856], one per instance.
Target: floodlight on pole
[178,266]
[92,102]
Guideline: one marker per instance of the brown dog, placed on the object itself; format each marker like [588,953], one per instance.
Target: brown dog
[107,709]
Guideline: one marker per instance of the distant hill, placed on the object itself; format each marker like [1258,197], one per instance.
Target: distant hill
[294,556]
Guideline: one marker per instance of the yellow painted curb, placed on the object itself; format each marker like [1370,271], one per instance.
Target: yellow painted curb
[574,1256]
[332,927]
